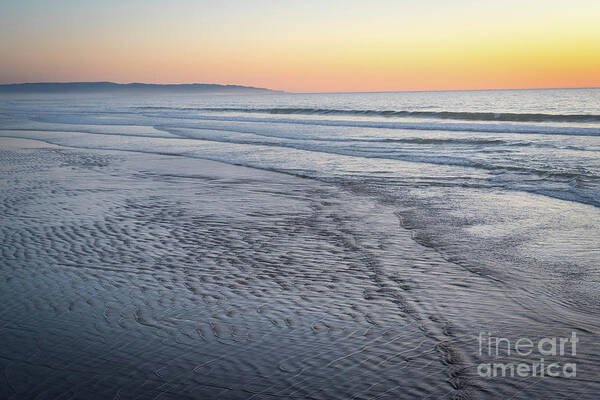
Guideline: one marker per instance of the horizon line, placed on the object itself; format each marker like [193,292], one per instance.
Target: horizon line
[450,90]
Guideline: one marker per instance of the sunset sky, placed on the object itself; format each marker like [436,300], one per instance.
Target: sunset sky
[307,45]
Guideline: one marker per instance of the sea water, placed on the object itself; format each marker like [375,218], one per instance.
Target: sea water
[498,190]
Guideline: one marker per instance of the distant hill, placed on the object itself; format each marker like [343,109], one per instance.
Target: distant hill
[111,87]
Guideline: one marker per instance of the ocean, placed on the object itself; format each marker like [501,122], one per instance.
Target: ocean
[334,245]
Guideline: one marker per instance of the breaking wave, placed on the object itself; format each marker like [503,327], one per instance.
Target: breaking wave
[456,115]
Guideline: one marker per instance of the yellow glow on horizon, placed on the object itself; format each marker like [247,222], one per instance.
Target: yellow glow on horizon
[311,47]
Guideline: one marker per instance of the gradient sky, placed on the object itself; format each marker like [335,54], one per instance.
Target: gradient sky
[309,45]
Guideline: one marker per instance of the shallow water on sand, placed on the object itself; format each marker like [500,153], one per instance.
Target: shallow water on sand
[399,228]
[128,275]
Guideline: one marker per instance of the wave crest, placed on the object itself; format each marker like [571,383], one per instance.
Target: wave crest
[456,115]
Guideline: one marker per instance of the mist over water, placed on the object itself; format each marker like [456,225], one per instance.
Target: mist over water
[453,213]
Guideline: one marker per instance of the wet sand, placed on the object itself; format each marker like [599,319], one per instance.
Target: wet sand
[145,276]
[137,276]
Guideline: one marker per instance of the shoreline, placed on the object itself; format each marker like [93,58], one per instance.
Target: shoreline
[216,264]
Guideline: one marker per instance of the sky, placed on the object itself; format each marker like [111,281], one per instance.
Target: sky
[305,46]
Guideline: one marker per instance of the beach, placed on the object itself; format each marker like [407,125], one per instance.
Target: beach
[129,275]
[300,200]
[166,254]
